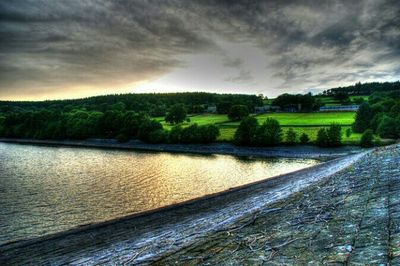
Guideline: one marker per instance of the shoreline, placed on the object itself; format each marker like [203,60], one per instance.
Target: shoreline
[297,151]
[203,215]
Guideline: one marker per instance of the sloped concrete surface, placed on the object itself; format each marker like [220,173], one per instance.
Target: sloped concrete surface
[350,218]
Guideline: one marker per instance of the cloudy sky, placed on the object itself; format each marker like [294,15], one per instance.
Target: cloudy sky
[73,48]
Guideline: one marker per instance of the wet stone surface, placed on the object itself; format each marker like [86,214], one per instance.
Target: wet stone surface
[352,217]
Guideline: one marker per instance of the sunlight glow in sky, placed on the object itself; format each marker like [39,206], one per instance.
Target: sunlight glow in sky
[70,49]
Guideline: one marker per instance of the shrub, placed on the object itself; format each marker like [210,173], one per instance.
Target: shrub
[334,133]
[146,130]
[367,138]
[121,138]
[175,133]
[157,136]
[194,134]
[209,133]
[269,133]
[348,132]
[304,139]
[291,136]
[330,137]
[322,138]
[246,132]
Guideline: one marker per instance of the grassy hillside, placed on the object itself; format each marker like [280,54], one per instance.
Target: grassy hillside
[308,123]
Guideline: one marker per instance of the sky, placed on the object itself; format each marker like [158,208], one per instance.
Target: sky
[54,49]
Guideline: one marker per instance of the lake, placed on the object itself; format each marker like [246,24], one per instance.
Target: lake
[45,190]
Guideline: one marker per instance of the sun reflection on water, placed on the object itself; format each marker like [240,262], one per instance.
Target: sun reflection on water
[50,189]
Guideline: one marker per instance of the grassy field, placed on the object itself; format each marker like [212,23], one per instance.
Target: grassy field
[308,123]
[307,119]
[203,119]
[227,133]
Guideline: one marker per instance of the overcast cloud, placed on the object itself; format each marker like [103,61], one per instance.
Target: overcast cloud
[74,48]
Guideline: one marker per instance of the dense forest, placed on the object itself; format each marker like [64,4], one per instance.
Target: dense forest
[81,124]
[154,104]
[366,88]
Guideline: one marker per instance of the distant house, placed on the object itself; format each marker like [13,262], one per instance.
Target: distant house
[339,108]
[262,109]
[211,109]
[266,108]
[291,109]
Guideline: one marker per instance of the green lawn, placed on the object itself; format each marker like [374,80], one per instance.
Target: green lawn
[308,123]
[307,119]
[203,119]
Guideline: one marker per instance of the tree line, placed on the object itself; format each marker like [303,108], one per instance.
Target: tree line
[83,124]
[380,116]
[251,133]
[153,104]
[365,88]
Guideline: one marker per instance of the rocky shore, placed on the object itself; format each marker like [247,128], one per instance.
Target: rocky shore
[298,151]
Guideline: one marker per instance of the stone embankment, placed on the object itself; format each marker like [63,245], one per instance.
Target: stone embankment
[298,151]
[353,217]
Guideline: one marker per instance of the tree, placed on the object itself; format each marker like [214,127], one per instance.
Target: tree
[177,114]
[342,97]
[224,107]
[358,100]
[198,134]
[348,132]
[175,134]
[301,102]
[389,127]
[322,138]
[363,118]
[110,123]
[330,137]
[157,136]
[269,133]
[291,136]
[238,112]
[304,139]
[197,109]
[131,123]
[334,133]
[147,129]
[367,138]
[246,132]
[209,133]
[2,119]
[395,110]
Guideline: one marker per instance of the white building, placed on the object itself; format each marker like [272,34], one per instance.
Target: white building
[339,108]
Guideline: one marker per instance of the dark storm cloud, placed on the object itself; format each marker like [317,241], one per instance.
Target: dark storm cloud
[47,46]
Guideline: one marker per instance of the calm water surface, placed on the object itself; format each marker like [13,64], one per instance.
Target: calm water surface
[50,189]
